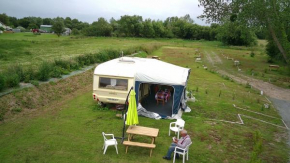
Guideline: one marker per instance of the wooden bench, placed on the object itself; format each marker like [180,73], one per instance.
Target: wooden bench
[274,67]
[137,144]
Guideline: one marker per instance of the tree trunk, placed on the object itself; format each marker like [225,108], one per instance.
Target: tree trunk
[277,42]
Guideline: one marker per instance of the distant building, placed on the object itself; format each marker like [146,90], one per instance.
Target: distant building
[16,30]
[67,31]
[46,28]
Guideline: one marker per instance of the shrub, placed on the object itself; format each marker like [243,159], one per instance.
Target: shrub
[2,82]
[103,57]
[112,54]
[18,109]
[12,80]
[1,116]
[44,71]
[16,69]
[29,74]
[34,82]
[252,54]
[62,63]
[75,32]
[56,72]
[74,65]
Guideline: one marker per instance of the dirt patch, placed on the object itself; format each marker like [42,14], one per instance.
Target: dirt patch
[32,99]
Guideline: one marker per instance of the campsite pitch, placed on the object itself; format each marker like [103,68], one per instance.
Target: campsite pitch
[68,128]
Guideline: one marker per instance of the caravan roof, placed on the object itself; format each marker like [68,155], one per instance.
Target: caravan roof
[144,70]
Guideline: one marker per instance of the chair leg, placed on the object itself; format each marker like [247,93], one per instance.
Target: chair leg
[174,155]
[116,148]
[105,149]
[184,158]
[187,156]
[177,134]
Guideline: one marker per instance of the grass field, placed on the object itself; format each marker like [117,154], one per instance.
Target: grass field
[28,49]
[64,124]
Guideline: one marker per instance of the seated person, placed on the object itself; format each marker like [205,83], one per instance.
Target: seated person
[182,143]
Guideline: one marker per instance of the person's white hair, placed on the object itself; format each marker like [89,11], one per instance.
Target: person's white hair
[183,131]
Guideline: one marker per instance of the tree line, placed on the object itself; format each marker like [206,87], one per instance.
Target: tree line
[127,26]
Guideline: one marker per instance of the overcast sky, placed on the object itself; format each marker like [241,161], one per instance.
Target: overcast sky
[91,10]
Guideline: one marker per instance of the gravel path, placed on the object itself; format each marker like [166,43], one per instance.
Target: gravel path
[280,97]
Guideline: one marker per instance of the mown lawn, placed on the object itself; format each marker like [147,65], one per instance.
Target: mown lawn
[71,131]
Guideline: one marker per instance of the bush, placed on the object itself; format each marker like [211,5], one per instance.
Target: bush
[2,82]
[16,69]
[74,65]
[56,72]
[112,54]
[252,54]
[75,32]
[12,80]
[62,63]
[44,71]
[103,57]
[14,110]
[29,74]
[34,82]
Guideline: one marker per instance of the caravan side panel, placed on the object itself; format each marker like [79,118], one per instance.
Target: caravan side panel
[111,89]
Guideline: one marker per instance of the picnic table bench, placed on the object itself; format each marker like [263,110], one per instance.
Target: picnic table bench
[274,67]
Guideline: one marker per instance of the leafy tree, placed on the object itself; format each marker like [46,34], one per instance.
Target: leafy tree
[68,22]
[232,33]
[47,21]
[32,26]
[4,19]
[158,28]
[13,21]
[58,27]
[75,32]
[24,22]
[131,25]
[148,30]
[103,28]
[273,15]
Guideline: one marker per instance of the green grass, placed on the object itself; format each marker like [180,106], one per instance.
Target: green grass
[71,131]
[29,49]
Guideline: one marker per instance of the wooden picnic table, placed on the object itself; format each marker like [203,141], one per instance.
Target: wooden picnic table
[143,131]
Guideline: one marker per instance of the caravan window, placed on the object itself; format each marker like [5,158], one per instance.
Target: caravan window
[112,83]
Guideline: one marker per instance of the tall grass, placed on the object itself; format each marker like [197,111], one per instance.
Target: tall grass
[16,74]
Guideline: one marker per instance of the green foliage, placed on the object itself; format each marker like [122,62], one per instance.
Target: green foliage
[141,55]
[16,110]
[12,80]
[58,27]
[2,82]
[34,82]
[75,32]
[252,54]
[44,71]
[233,33]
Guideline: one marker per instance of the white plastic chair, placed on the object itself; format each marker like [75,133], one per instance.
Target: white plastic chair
[176,126]
[109,142]
[182,152]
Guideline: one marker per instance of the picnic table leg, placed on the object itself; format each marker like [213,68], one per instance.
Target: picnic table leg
[153,140]
[127,148]
[151,152]
[129,135]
